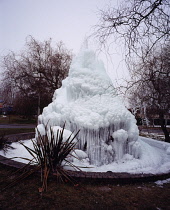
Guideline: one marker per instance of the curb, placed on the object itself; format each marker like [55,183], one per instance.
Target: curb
[96,177]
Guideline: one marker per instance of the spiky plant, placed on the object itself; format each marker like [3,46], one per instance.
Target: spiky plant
[4,143]
[50,153]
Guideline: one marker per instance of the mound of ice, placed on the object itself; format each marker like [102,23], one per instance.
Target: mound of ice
[87,101]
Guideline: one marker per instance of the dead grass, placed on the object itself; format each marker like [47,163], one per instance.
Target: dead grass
[25,195]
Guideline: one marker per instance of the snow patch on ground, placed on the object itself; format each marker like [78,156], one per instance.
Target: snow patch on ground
[162,182]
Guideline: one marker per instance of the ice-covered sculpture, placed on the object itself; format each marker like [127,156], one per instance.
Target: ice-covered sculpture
[87,101]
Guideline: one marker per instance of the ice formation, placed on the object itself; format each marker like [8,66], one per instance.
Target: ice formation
[87,101]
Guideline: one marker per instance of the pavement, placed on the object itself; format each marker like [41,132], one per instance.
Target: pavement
[17,125]
[155,130]
[148,130]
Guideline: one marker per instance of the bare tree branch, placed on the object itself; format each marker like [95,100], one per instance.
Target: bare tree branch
[139,23]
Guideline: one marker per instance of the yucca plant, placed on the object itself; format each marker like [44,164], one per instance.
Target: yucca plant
[50,153]
[4,143]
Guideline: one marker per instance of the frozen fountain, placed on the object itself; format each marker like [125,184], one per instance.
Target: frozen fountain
[87,101]
[109,138]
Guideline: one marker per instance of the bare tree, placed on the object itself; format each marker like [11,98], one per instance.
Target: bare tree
[37,71]
[7,93]
[141,24]
[150,86]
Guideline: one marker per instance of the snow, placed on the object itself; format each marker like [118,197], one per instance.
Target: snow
[56,130]
[153,160]
[19,152]
[159,144]
[40,130]
[80,154]
[161,182]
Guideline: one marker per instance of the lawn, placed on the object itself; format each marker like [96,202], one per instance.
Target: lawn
[25,195]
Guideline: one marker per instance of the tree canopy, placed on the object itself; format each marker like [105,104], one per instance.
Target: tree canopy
[35,73]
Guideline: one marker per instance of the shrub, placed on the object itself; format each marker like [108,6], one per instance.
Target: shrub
[50,154]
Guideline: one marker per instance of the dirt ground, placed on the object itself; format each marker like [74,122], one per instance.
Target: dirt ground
[25,194]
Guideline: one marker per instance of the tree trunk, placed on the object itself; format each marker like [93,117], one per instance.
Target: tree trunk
[164,128]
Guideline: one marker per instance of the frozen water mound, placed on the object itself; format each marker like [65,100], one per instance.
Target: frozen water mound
[87,101]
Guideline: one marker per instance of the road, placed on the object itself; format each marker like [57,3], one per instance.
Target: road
[17,125]
[149,130]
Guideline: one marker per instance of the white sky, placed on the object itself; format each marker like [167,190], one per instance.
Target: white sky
[69,21]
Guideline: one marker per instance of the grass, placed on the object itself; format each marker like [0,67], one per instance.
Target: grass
[15,119]
[25,195]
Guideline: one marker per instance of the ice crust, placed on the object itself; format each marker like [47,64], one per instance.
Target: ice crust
[87,101]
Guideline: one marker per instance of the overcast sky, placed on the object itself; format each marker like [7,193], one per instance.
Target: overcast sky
[69,21]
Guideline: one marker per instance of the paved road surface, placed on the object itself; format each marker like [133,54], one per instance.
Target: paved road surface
[150,130]
[17,125]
